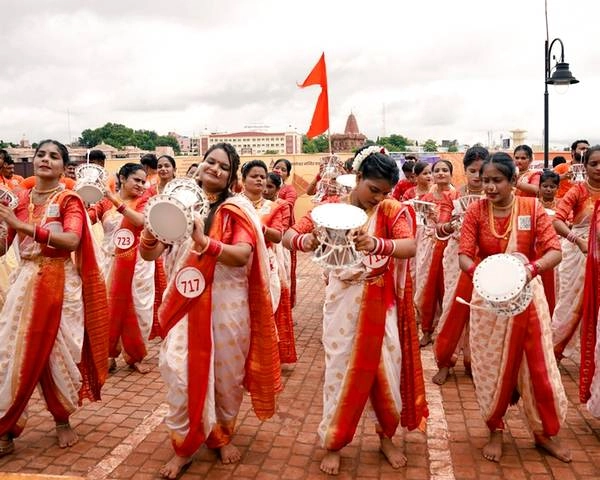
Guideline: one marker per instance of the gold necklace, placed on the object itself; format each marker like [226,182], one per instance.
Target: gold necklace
[506,233]
[257,203]
[43,192]
[548,203]
[31,207]
[473,192]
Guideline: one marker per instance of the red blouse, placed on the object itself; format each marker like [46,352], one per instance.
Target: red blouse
[532,178]
[72,215]
[476,238]
[289,194]
[401,188]
[579,202]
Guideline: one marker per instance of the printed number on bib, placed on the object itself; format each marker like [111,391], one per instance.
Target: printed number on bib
[375,261]
[190,282]
[123,238]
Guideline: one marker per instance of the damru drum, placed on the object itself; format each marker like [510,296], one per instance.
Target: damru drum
[90,182]
[170,216]
[501,280]
[336,224]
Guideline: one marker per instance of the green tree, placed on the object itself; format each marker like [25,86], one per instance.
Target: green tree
[315,145]
[430,145]
[167,141]
[120,136]
[452,148]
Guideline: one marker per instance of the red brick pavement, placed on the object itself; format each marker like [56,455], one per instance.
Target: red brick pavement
[123,436]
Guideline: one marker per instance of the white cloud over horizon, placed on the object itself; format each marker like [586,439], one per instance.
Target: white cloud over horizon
[442,70]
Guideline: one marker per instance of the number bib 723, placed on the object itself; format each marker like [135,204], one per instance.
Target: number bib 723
[123,238]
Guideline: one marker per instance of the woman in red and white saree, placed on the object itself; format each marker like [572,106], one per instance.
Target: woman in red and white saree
[453,328]
[54,324]
[371,352]
[577,205]
[287,192]
[429,276]
[166,169]
[275,218]
[217,320]
[528,181]
[589,370]
[512,356]
[129,278]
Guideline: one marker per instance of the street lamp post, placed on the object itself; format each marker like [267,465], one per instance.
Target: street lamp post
[561,76]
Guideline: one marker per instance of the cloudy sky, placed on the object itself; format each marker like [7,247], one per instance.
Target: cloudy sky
[438,69]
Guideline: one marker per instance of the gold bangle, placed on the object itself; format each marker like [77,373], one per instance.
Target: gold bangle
[203,250]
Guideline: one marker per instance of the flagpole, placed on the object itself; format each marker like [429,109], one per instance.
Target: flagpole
[329,140]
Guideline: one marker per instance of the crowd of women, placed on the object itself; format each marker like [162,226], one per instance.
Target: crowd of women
[93,282]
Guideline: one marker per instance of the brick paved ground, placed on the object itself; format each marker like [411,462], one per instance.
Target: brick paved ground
[123,437]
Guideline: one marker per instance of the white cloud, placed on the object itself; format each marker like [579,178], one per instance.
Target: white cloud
[443,70]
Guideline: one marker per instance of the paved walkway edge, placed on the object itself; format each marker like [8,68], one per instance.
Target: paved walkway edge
[124,449]
[440,460]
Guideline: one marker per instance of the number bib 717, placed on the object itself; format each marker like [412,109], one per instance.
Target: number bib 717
[190,282]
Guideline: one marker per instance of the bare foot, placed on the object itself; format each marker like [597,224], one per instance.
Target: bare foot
[553,447]
[112,365]
[425,339]
[492,450]
[7,446]
[229,454]
[140,367]
[441,376]
[331,463]
[392,453]
[67,437]
[175,466]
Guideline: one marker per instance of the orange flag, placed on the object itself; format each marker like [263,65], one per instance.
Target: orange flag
[320,120]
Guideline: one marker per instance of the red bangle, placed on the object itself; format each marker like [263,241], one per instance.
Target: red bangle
[533,269]
[121,208]
[41,235]
[383,246]
[214,248]
[471,270]
[264,229]
[298,242]
[318,177]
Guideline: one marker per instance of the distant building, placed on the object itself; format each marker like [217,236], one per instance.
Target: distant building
[254,143]
[351,139]
[185,143]
[518,137]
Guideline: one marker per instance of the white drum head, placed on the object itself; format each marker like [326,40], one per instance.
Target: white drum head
[168,219]
[500,277]
[346,180]
[90,193]
[90,172]
[339,216]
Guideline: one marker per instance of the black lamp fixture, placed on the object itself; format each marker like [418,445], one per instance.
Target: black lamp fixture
[561,76]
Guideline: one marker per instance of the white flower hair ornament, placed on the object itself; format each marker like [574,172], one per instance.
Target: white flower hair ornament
[360,156]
